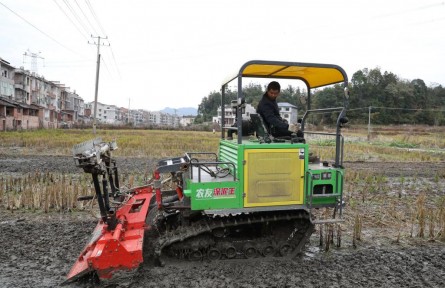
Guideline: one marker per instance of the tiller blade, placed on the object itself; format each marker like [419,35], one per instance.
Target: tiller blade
[120,248]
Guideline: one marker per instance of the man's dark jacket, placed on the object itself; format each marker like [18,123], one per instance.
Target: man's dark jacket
[268,109]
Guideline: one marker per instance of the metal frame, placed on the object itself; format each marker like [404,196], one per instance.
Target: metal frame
[339,183]
[239,76]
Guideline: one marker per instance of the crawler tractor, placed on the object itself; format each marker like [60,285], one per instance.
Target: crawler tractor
[253,198]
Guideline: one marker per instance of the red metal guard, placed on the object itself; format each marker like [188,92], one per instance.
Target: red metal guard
[118,249]
[157,186]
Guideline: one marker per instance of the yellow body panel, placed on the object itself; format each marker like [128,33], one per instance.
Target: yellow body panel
[273,177]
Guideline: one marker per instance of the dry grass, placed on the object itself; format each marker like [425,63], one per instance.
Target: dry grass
[400,208]
[406,207]
[47,192]
[44,191]
[132,143]
[399,143]
[387,144]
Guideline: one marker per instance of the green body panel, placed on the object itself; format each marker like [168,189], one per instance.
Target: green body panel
[322,185]
[215,195]
[229,194]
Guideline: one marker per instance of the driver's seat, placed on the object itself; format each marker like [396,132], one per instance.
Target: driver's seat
[260,128]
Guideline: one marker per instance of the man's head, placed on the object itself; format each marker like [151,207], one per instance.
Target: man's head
[273,90]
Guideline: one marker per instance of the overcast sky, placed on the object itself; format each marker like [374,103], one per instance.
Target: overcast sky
[173,53]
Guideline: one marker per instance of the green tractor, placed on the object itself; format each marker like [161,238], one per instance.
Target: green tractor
[253,198]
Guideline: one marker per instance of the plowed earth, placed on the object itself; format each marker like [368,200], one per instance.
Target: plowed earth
[37,250]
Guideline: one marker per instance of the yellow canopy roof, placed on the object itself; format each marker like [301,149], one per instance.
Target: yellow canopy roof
[314,75]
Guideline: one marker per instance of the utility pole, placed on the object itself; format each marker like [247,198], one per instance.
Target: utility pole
[369,123]
[97,77]
[128,115]
[34,56]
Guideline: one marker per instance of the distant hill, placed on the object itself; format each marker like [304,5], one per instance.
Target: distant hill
[181,111]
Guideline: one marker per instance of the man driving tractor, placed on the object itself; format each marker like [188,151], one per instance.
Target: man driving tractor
[268,109]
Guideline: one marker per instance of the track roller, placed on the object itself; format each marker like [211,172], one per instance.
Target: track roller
[195,255]
[214,254]
[230,252]
[285,249]
[250,251]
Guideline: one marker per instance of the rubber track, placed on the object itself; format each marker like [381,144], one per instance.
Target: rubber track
[206,225]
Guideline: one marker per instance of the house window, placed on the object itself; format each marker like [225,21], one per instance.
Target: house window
[287,108]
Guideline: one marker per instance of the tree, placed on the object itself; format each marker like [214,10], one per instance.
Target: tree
[289,95]
[394,100]
[328,97]
[209,106]
[420,93]
[252,94]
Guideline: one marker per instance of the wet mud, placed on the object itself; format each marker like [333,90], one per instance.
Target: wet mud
[38,249]
[65,164]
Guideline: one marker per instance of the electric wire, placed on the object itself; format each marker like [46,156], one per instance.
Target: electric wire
[106,66]
[115,63]
[395,108]
[84,15]
[90,7]
[104,33]
[69,18]
[41,31]
[408,109]
[76,16]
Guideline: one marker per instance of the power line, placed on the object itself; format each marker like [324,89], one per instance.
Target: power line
[102,59]
[69,18]
[76,16]
[15,13]
[90,7]
[115,63]
[396,108]
[408,109]
[88,20]
[95,17]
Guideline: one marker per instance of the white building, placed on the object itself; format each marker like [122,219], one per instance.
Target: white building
[288,112]
[229,116]
[163,119]
[53,101]
[155,118]
[111,114]
[187,120]
[105,113]
[6,79]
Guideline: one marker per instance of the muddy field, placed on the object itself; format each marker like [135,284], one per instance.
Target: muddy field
[37,250]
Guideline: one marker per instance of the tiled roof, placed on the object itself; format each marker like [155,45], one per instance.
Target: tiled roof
[14,103]
[285,104]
